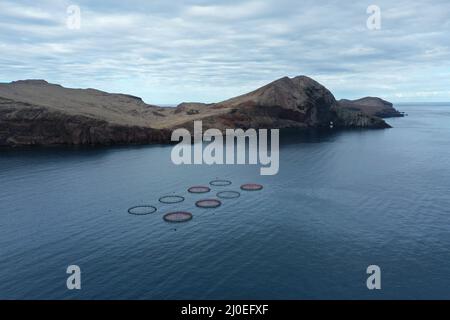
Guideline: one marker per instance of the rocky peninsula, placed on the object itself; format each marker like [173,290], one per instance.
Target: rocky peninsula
[35,112]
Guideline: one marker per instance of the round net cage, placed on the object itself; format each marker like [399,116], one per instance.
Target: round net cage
[142,210]
[228,194]
[208,203]
[220,183]
[178,216]
[251,187]
[199,189]
[171,199]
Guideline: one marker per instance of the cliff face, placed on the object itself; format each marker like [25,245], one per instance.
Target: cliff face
[34,112]
[346,118]
[371,106]
[25,124]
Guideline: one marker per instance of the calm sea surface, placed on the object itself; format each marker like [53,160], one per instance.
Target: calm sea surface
[340,203]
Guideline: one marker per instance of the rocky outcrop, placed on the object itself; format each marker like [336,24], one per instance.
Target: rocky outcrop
[34,112]
[346,118]
[371,106]
[25,124]
[298,102]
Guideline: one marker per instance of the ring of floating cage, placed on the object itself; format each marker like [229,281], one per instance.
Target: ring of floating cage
[146,209]
[251,187]
[208,203]
[228,194]
[177,216]
[199,189]
[220,183]
[171,199]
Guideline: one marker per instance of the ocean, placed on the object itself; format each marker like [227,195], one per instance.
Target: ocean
[342,201]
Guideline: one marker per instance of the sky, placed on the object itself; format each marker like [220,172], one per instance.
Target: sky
[168,52]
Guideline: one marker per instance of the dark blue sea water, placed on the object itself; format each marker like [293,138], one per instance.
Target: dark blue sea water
[340,203]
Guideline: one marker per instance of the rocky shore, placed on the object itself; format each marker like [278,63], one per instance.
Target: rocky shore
[35,112]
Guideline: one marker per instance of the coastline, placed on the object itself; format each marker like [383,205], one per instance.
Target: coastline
[35,112]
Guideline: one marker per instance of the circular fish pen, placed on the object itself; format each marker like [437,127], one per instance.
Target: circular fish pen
[208,203]
[199,189]
[142,210]
[171,199]
[220,183]
[228,194]
[251,187]
[178,216]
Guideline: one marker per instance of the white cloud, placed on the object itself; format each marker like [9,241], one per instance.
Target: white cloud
[20,11]
[229,11]
[168,52]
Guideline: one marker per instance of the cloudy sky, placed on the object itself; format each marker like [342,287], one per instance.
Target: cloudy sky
[206,50]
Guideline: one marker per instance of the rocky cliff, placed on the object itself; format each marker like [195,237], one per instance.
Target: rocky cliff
[34,112]
[371,106]
[298,102]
